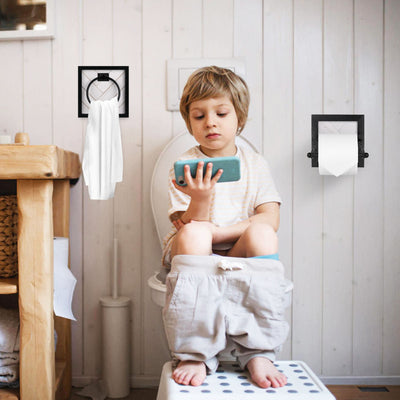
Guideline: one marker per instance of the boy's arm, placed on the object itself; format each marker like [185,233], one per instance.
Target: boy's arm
[266,212]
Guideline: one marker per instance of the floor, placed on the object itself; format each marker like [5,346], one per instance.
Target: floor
[345,392]
[136,394]
[348,392]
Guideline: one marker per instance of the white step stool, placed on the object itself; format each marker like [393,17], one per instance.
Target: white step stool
[232,383]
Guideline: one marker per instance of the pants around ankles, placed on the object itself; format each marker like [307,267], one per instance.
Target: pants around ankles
[211,299]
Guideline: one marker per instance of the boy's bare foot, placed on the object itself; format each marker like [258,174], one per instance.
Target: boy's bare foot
[264,373]
[190,373]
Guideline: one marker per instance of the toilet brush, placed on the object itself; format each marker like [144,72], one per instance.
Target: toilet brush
[116,337]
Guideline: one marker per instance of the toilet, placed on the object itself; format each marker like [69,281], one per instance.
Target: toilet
[229,382]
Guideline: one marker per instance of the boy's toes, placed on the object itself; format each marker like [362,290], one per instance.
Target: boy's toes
[264,373]
[278,380]
[196,381]
[261,381]
[189,373]
[282,380]
[180,377]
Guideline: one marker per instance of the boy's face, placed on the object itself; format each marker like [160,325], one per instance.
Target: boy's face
[214,125]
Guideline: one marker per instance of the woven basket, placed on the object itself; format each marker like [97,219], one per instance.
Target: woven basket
[8,236]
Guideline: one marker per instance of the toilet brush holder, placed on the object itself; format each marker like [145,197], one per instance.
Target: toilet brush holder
[116,345]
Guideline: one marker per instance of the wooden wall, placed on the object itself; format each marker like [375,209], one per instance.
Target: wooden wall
[339,237]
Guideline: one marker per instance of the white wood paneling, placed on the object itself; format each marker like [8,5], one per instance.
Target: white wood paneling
[338,204]
[38,94]
[127,17]
[248,43]
[187,29]
[98,218]
[391,187]
[338,237]
[187,40]
[218,28]
[368,292]
[12,92]
[278,119]
[307,186]
[156,131]
[67,133]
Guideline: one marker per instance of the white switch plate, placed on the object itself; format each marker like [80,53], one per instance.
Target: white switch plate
[179,70]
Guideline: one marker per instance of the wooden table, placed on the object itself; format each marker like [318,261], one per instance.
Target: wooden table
[42,175]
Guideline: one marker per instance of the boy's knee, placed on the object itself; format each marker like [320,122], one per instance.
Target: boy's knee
[193,231]
[261,231]
[261,239]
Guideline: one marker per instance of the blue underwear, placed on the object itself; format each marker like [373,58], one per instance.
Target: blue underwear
[274,256]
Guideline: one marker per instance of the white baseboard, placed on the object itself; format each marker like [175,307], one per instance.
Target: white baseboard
[361,380]
[151,381]
[136,381]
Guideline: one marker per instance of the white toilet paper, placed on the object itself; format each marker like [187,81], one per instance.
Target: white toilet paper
[337,148]
[64,280]
[5,139]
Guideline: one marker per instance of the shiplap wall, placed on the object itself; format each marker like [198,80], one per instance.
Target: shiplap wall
[339,237]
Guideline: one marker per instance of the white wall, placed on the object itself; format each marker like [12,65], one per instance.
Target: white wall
[339,236]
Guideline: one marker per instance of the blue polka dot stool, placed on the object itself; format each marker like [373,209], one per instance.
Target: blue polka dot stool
[232,383]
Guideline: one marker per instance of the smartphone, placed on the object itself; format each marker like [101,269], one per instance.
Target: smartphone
[230,166]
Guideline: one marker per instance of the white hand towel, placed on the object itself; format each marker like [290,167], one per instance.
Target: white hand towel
[102,163]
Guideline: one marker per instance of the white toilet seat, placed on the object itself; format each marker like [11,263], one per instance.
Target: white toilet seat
[158,290]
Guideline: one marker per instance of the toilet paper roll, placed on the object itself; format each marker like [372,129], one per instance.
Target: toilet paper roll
[337,153]
[64,280]
[5,139]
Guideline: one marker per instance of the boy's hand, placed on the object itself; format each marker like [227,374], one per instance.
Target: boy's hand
[178,224]
[199,188]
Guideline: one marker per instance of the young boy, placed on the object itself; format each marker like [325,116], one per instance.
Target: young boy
[234,219]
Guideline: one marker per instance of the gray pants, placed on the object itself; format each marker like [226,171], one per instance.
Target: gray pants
[214,300]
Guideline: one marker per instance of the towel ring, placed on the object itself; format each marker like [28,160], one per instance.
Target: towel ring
[102,77]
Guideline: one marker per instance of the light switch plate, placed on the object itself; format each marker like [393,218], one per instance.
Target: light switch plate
[179,70]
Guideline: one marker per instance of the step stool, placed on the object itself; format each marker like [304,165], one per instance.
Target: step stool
[232,383]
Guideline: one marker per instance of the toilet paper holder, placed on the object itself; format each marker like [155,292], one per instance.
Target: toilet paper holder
[316,118]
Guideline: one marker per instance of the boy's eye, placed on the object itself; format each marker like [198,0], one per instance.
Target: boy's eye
[198,116]
[221,114]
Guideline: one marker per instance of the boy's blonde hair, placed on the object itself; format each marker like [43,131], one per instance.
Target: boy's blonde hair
[211,82]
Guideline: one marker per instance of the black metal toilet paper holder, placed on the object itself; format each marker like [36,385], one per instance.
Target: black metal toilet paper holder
[315,118]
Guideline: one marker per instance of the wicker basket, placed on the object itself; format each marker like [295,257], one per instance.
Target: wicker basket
[8,236]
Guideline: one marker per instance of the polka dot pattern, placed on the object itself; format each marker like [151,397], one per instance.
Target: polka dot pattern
[230,382]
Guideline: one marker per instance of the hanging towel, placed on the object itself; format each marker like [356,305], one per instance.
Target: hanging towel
[102,163]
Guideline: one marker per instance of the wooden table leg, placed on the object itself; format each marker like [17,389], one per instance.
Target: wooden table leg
[61,195]
[35,262]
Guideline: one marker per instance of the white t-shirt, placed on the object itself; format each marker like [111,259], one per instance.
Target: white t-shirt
[232,202]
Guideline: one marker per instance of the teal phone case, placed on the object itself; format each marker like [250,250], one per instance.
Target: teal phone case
[230,166]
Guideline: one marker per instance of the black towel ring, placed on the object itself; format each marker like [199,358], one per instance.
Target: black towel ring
[102,77]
